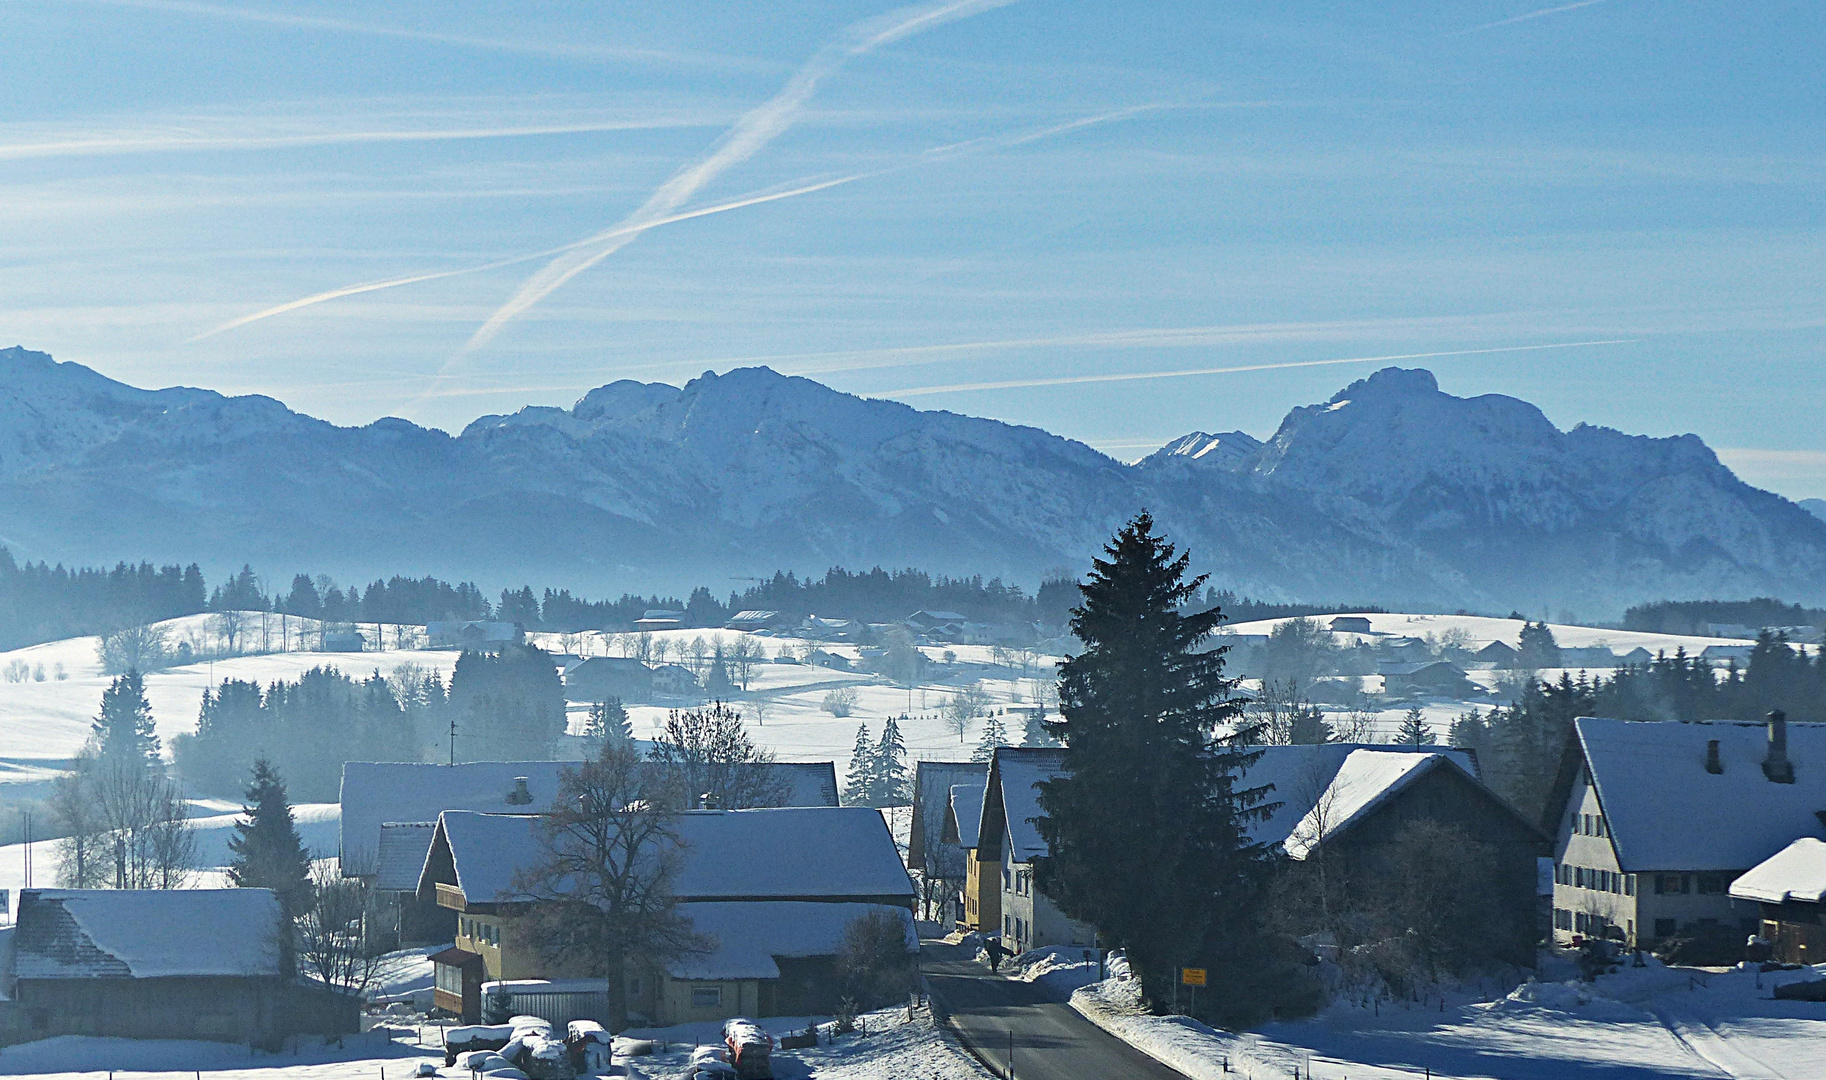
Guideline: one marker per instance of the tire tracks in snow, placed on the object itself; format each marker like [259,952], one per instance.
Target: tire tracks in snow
[1705,1043]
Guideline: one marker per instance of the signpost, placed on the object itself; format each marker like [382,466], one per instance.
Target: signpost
[1194,978]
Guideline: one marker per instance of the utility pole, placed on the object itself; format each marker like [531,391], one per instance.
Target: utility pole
[452,740]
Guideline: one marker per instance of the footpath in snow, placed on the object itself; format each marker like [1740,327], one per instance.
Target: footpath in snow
[1651,1022]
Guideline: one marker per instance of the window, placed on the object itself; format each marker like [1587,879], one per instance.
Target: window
[1629,887]
[1616,883]
[1598,820]
[1007,879]
[1664,928]
[706,997]
[1711,884]
[449,978]
[1007,925]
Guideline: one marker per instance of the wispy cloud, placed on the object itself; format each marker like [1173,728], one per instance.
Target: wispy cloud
[629,229]
[1528,15]
[555,49]
[411,279]
[179,139]
[1181,373]
[754,130]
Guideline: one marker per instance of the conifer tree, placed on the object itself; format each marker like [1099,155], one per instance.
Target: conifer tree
[124,729]
[1414,730]
[268,853]
[888,767]
[609,720]
[1146,827]
[995,734]
[858,786]
[1036,733]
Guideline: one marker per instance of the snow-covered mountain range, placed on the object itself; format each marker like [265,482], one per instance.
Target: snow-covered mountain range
[1392,492]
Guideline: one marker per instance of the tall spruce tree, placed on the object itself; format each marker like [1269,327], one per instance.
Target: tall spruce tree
[1414,730]
[859,785]
[995,733]
[124,730]
[1146,827]
[268,853]
[888,771]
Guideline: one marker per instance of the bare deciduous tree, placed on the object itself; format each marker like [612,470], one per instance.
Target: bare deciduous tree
[602,888]
[332,937]
[135,648]
[707,752]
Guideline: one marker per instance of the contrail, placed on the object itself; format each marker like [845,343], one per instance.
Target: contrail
[373,286]
[1525,16]
[753,131]
[937,153]
[1072,380]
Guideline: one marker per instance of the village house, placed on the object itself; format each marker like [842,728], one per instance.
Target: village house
[1788,888]
[773,889]
[1435,678]
[932,853]
[1351,801]
[390,811]
[475,635]
[676,680]
[157,964]
[1008,842]
[660,619]
[600,678]
[1350,624]
[981,898]
[756,621]
[1497,656]
[1655,819]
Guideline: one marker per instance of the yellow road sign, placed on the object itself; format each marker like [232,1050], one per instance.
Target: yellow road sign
[1192,976]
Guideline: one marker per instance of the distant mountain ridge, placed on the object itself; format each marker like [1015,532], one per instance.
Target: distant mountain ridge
[1391,491]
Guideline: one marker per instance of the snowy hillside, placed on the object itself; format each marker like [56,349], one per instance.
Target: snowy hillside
[1392,492]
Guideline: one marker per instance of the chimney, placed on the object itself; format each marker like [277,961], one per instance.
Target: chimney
[519,796]
[1776,765]
[1713,765]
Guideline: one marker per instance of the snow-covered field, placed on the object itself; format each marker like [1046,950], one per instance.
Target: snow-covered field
[1482,631]
[1650,1022]
[887,1046]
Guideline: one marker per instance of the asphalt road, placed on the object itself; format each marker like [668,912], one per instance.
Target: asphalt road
[1050,1041]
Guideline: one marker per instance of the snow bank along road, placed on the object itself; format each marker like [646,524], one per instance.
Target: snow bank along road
[1049,1040]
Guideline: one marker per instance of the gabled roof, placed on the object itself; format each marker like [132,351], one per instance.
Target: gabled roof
[402,854]
[375,793]
[145,934]
[746,937]
[820,853]
[967,812]
[1666,812]
[932,783]
[1365,780]
[1302,776]
[1795,873]
[1012,788]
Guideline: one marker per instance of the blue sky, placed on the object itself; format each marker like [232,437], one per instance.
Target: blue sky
[1026,193]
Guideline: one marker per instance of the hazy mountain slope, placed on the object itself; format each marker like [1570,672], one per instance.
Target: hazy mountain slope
[1816,507]
[1392,491]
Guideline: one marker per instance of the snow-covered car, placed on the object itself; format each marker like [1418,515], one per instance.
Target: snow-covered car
[750,1049]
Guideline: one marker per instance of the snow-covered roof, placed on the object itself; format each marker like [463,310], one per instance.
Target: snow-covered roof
[1666,812]
[1365,780]
[375,793]
[932,783]
[747,936]
[403,845]
[1019,770]
[967,808]
[792,852]
[1797,872]
[1302,775]
[146,934]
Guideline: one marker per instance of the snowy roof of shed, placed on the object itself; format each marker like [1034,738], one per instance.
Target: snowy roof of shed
[377,793]
[749,935]
[1666,812]
[1301,775]
[1797,872]
[967,808]
[145,933]
[403,845]
[821,852]
[1019,770]
[1365,780]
